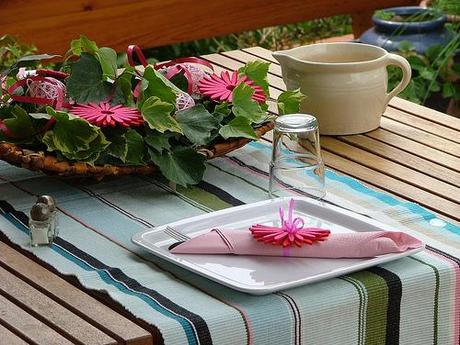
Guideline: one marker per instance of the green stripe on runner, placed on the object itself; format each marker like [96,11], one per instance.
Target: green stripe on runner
[377,304]
[203,197]
[436,298]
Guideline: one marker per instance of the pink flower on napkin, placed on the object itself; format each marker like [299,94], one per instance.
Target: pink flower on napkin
[290,233]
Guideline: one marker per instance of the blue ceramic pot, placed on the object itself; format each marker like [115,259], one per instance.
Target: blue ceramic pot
[389,34]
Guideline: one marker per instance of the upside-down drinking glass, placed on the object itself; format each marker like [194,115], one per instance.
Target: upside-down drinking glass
[296,163]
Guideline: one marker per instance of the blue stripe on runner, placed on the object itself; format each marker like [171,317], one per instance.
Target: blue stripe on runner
[117,278]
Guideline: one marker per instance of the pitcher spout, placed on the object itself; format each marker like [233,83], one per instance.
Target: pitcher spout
[282,57]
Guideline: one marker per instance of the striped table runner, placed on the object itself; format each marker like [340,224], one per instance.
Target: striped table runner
[414,300]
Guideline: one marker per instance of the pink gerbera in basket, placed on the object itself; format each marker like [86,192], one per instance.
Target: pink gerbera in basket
[104,114]
[219,88]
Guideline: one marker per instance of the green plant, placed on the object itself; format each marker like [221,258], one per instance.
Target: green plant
[448,6]
[384,14]
[435,71]
[11,49]
[410,18]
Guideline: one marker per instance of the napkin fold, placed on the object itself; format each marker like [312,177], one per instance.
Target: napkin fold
[337,245]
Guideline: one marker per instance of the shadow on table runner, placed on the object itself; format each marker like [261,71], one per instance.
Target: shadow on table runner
[381,304]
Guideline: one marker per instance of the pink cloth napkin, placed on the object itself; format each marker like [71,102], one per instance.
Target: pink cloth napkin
[339,245]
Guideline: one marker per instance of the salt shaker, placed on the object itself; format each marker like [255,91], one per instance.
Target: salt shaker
[39,224]
[49,201]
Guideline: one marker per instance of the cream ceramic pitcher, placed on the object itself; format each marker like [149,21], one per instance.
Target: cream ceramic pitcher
[345,83]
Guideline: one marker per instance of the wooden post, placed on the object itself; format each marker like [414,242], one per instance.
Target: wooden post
[360,22]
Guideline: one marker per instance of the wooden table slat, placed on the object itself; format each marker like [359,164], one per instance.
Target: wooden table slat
[261,53]
[50,312]
[404,158]
[391,168]
[79,302]
[415,148]
[21,322]
[420,136]
[426,113]
[423,124]
[8,337]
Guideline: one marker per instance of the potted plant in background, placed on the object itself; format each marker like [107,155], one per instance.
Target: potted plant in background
[431,45]
[423,27]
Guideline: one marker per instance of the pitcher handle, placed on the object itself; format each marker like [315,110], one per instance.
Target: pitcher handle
[394,59]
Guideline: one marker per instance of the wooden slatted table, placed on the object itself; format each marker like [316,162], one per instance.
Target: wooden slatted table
[415,154]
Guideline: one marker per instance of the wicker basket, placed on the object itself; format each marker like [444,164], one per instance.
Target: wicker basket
[40,161]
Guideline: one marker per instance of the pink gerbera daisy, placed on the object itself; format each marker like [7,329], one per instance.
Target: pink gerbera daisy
[220,88]
[103,114]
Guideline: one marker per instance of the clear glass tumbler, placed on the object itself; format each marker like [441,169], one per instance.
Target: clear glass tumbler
[296,163]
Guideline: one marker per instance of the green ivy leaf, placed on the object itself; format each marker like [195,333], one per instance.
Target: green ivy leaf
[239,127]
[223,108]
[157,114]
[182,165]
[244,105]
[20,124]
[135,145]
[289,102]
[86,83]
[73,137]
[155,84]
[82,44]
[257,72]
[197,124]
[118,147]
[108,59]
[92,154]
[123,93]
[158,141]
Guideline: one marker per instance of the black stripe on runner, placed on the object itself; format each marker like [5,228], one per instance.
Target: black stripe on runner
[297,317]
[451,258]
[115,207]
[202,330]
[220,193]
[394,303]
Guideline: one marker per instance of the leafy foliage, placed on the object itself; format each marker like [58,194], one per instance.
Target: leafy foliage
[197,124]
[157,114]
[435,71]
[74,138]
[244,106]
[289,102]
[167,137]
[182,165]
[86,82]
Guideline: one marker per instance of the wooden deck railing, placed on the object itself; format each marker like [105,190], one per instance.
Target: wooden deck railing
[51,24]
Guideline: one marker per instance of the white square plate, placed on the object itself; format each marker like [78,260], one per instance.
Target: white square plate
[260,275]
